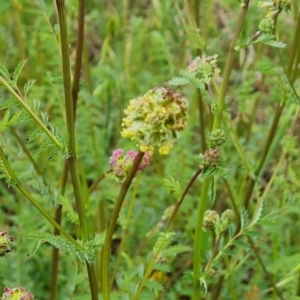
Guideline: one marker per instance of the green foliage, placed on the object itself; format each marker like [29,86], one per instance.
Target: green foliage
[83,253]
[265,38]
[129,48]
[174,187]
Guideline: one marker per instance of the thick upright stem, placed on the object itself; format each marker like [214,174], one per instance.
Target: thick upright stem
[75,90]
[72,161]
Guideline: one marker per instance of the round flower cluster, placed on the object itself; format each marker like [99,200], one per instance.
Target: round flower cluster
[267,25]
[212,157]
[204,67]
[217,138]
[121,163]
[5,243]
[155,119]
[18,293]
[212,220]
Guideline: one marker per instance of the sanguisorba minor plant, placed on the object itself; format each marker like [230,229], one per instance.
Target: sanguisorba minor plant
[153,244]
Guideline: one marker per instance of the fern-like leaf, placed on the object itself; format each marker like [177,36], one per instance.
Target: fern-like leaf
[86,254]
[270,40]
[163,242]
[174,186]
[154,285]
[161,267]
[9,103]
[244,218]
[71,215]
[28,85]
[212,192]
[18,71]
[258,214]
[174,250]
[4,72]
[192,79]
[7,122]
[178,81]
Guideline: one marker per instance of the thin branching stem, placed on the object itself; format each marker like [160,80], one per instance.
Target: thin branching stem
[34,202]
[125,227]
[31,113]
[251,181]
[112,224]
[179,202]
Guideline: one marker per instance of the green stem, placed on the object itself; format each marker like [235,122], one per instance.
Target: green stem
[171,222]
[96,182]
[228,67]
[272,132]
[31,113]
[70,117]
[55,251]
[145,277]
[200,102]
[79,54]
[75,90]
[296,46]
[198,241]
[20,187]
[28,153]
[213,255]
[112,224]
[198,244]
[178,204]
[267,274]
[294,52]
[125,228]
[55,257]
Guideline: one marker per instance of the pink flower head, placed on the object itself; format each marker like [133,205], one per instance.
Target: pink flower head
[5,243]
[18,293]
[121,163]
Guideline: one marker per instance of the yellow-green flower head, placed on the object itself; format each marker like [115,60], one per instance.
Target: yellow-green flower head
[155,119]
[266,25]
[276,5]
[204,67]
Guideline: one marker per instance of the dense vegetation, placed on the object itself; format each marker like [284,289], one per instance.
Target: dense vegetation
[188,191]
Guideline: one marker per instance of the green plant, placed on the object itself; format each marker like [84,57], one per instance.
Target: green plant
[205,205]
